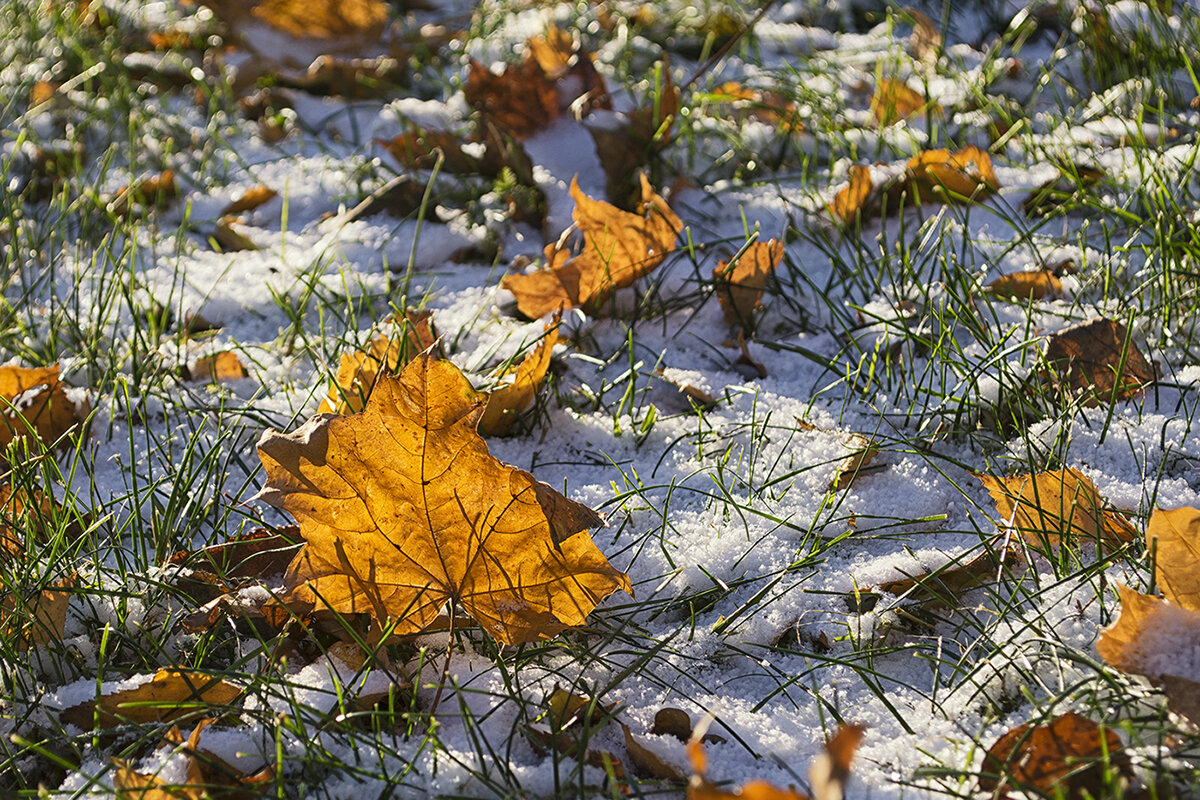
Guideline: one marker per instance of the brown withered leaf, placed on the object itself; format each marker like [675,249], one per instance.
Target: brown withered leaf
[764,106]
[944,586]
[626,142]
[567,714]
[39,618]
[34,403]
[205,774]
[169,695]
[648,762]
[21,512]
[1028,285]
[619,247]
[1096,362]
[1045,507]
[851,200]
[740,285]
[359,370]
[862,450]
[260,553]
[895,100]
[217,368]
[1064,758]
[231,238]
[562,59]
[505,403]
[249,200]
[1174,538]
[965,174]
[403,510]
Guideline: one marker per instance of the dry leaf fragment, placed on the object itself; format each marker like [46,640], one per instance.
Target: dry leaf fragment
[1174,538]
[946,585]
[404,510]
[205,774]
[260,553]
[1029,285]
[964,174]
[1066,758]
[851,200]
[387,353]
[740,285]
[1045,507]
[619,247]
[862,450]
[170,694]
[506,402]
[894,100]
[249,200]
[34,403]
[1097,362]
[217,368]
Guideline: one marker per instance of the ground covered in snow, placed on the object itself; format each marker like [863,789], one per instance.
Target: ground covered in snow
[761,558]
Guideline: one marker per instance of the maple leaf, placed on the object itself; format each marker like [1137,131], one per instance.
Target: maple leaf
[34,403]
[359,370]
[965,174]
[1064,758]
[403,510]
[1047,506]
[619,247]
[1097,362]
[506,402]
[169,694]
[740,285]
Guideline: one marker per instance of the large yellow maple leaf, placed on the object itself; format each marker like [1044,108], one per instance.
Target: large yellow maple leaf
[403,510]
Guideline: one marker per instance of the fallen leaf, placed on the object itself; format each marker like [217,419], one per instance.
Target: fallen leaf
[745,363]
[170,694]
[39,619]
[765,106]
[521,99]
[851,201]
[260,553]
[249,200]
[563,60]
[964,175]
[358,371]
[1048,506]
[626,142]
[894,100]
[1174,538]
[230,239]
[648,762]
[1096,362]
[619,247]
[926,40]
[505,403]
[34,403]
[403,510]
[1028,285]
[946,585]
[205,774]
[829,771]
[740,285]
[1067,757]
[217,368]
[158,191]
[672,722]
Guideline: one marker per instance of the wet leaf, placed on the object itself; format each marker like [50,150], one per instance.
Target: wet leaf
[740,285]
[1066,757]
[403,511]
[1096,362]
[169,695]
[387,353]
[505,403]
[619,247]
[1048,506]
[34,403]
[1029,285]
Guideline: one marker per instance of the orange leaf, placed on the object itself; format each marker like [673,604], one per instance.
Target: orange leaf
[894,100]
[506,402]
[359,370]
[619,247]
[43,618]
[250,199]
[945,585]
[324,19]
[157,191]
[521,99]
[1050,505]
[1097,362]
[404,510]
[1065,758]
[1174,538]
[850,201]
[171,694]
[33,402]
[965,174]
[218,368]
[1034,285]
[740,286]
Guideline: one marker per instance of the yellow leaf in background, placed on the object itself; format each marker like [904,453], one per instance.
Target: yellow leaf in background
[1035,285]
[619,247]
[505,403]
[403,511]
[1174,539]
[249,200]
[218,368]
[1065,758]
[171,694]
[894,100]
[1047,506]
[34,403]
[324,19]
[740,286]
[1097,362]
[387,353]
[964,174]
[852,200]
